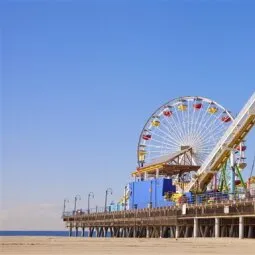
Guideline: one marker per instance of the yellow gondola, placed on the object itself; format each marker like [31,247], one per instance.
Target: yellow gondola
[155,123]
[212,109]
[242,165]
[142,154]
[182,107]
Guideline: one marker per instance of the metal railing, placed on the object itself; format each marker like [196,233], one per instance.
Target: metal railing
[204,199]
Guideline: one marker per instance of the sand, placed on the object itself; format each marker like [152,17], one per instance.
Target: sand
[73,246]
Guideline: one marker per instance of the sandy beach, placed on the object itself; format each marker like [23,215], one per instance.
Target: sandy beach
[73,246]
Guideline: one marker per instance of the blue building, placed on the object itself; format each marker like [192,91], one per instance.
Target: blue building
[142,194]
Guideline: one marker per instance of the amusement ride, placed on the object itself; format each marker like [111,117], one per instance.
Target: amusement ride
[197,143]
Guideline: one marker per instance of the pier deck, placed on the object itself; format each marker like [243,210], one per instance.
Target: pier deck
[233,218]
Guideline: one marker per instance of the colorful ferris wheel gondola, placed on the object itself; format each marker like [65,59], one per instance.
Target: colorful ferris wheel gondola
[197,103]
[212,109]
[146,135]
[167,112]
[182,106]
[225,117]
[241,147]
[155,121]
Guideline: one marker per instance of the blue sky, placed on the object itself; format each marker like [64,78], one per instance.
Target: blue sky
[80,78]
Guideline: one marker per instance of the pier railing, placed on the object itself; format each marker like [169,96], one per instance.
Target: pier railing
[198,200]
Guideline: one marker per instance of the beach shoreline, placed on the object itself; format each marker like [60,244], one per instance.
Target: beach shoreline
[122,246]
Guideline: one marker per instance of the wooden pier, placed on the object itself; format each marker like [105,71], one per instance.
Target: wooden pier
[234,218]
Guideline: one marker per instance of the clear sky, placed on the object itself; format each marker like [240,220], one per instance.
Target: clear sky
[80,78]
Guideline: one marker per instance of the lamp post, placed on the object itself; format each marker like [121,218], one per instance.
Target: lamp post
[65,201]
[91,194]
[109,190]
[125,198]
[77,197]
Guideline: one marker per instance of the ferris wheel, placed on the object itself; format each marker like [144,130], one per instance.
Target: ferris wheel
[186,122]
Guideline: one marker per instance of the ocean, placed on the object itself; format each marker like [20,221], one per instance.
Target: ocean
[36,233]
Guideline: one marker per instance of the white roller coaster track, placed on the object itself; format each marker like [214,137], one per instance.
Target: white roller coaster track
[236,132]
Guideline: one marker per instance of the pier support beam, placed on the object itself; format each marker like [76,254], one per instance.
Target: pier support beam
[160,232]
[83,232]
[195,234]
[177,232]
[104,232]
[241,227]
[250,232]
[186,234]
[134,232]
[70,231]
[217,227]
[97,231]
[147,232]
[76,232]
[91,231]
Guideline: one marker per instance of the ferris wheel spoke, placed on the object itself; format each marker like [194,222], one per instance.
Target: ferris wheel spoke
[169,141]
[171,129]
[178,127]
[205,134]
[208,142]
[185,131]
[192,121]
[198,122]
[212,125]
[188,117]
[199,140]
[221,124]
[205,148]
[202,120]
[203,153]
[159,153]
[175,136]
[195,121]
[157,146]
[174,123]
[165,134]
[201,156]
[204,130]
[214,133]
[160,143]
[181,129]
[154,152]
[155,158]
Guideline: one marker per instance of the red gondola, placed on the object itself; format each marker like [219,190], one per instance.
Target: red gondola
[242,148]
[167,113]
[146,137]
[226,119]
[197,106]
[237,182]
